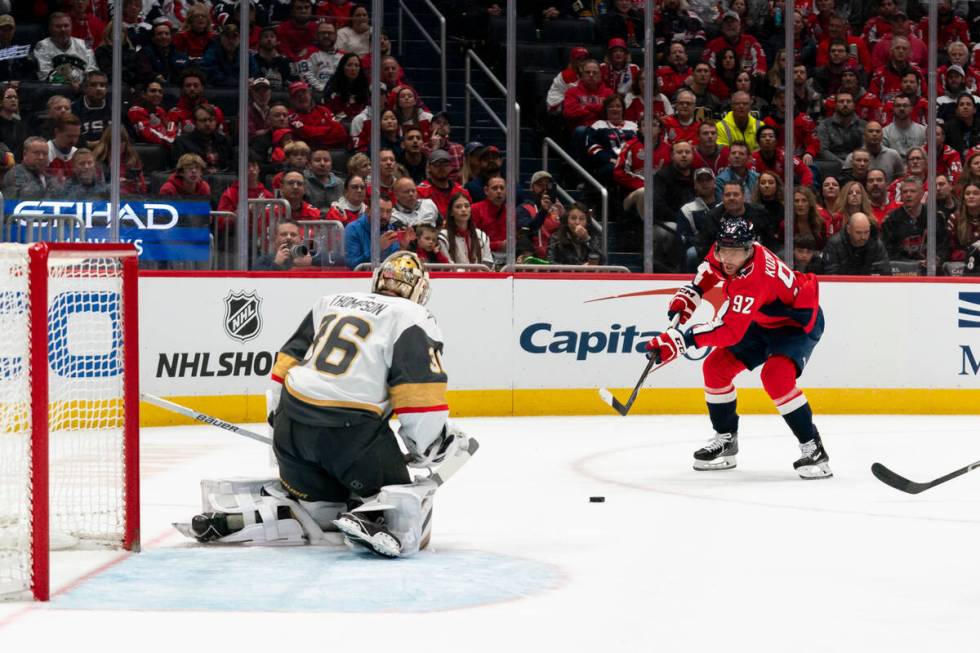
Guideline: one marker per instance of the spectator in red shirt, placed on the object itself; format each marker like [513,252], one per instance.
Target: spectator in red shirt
[747,48]
[674,75]
[228,201]
[918,53]
[438,186]
[347,92]
[294,192]
[314,124]
[770,157]
[297,34]
[878,26]
[192,96]
[877,187]
[949,27]
[188,180]
[427,244]
[616,71]
[149,119]
[351,205]
[196,32]
[490,214]
[84,24]
[628,173]
[707,152]
[837,29]
[336,11]
[583,100]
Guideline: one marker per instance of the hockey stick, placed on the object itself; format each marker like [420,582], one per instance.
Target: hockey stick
[888,477]
[437,473]
[201,417]
[652,365]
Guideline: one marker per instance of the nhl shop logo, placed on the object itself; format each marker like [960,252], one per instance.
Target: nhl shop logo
[243,319]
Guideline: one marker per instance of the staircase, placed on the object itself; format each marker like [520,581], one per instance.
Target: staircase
[422,69]
[421,64]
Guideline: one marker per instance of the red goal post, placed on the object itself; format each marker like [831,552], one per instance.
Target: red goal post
[69,406]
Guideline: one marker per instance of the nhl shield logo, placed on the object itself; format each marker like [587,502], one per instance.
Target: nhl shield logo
[243,319]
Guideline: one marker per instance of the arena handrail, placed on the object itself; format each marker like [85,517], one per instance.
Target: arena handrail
[603,193]
[440,47]
[556,267]
[438,267]
[472,56]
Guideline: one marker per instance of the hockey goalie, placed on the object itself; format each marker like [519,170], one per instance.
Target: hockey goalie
[355,358]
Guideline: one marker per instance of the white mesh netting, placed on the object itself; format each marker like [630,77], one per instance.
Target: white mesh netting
[85,407]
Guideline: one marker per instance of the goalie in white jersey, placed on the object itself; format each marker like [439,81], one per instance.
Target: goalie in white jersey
[356,358]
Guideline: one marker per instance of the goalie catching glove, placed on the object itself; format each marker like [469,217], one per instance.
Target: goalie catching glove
[684,302]
[666,346]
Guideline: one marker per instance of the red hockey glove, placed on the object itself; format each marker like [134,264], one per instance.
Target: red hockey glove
[684,302]
[667,346]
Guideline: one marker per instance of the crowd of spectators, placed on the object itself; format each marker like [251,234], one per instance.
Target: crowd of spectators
[718,119]
[860,135]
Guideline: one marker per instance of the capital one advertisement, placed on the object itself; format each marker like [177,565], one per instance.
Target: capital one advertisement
[214,335]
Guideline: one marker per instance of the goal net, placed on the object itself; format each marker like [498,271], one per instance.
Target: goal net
[69,406]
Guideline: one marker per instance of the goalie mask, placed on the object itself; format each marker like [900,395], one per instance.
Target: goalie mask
[402,274]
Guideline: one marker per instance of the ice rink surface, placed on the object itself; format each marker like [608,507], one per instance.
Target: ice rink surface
[750,559]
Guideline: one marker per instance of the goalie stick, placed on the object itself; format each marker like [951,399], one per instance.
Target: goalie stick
[438,473]
[888,477]
[652,365]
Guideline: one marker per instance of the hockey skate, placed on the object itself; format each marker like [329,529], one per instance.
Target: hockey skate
[718,453]
[207,526]
[813,463]
[360,530]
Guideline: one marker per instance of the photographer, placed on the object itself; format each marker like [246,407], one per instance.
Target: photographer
[291,253]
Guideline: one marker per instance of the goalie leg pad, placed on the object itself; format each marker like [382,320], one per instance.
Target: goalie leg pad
[408,513]
[262,513]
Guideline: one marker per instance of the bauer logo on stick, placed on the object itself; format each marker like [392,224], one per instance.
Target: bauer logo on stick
[243,315]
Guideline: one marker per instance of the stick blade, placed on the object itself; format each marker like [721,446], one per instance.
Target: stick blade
[890,478]
[608,397]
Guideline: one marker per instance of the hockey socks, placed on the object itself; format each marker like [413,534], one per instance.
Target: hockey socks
[722,408]
[779,380]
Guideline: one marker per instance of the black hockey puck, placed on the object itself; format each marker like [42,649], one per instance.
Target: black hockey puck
[597,499]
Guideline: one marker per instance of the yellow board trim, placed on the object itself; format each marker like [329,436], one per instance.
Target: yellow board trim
[660,401]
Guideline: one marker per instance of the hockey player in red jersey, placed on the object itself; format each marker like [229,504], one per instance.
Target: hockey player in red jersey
[771,317]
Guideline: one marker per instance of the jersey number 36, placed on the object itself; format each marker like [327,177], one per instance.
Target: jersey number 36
[334,353]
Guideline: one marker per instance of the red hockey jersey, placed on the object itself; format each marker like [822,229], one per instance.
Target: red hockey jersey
[765,291]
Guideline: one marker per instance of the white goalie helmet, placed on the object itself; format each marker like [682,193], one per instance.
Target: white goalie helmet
[402,274]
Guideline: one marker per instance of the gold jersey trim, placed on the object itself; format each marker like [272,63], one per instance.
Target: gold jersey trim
[284,362]
[418,395]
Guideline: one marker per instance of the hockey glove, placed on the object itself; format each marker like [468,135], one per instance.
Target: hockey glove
[667,346]
[684,302]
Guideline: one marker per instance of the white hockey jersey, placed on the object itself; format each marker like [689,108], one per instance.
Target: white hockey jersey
[368,352]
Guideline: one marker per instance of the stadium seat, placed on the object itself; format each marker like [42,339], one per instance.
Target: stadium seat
[568,31]
[154,157]
[29,33]
[535,55]
[498,30]
[339,159]
[219,183]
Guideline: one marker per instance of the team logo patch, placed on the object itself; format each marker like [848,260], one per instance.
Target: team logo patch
[243,317]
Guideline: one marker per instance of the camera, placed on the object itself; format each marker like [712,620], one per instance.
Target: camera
[299,251]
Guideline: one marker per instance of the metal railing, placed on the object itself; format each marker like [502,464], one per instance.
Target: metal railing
[555,267]
[470,91]
[439,267]
[603,193]
[440,47]
[263,216]
[223,245]
[34,228]
[327,238]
